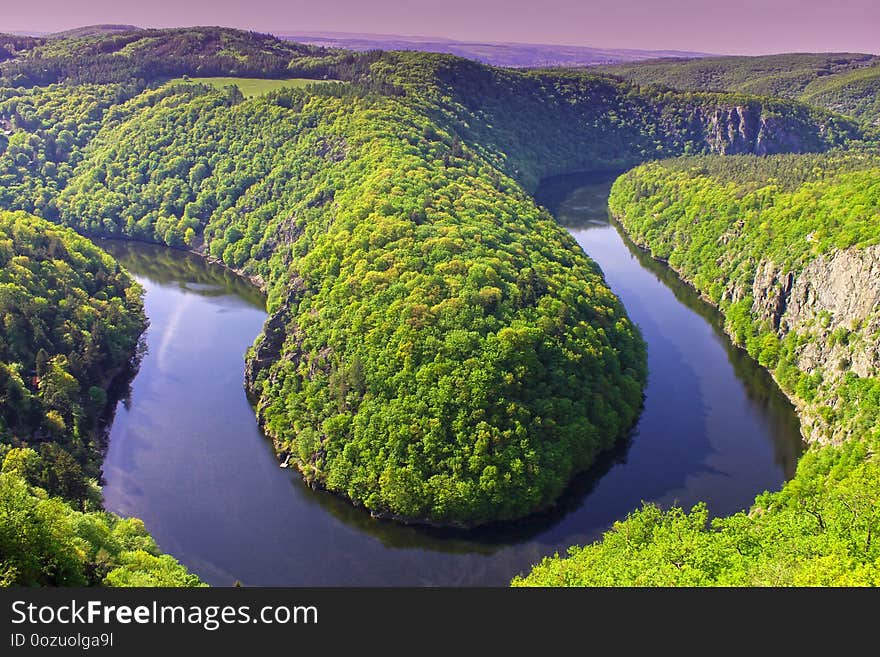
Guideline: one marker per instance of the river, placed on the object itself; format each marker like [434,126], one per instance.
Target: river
[185,453]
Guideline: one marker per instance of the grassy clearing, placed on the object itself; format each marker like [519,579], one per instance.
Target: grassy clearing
[251,87]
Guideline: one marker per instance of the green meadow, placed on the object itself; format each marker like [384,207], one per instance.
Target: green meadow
[251,87]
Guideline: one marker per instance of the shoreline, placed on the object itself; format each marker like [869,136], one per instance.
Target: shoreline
[796,402]
[254,279]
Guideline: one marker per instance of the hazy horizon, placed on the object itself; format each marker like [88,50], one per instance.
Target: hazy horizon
[750,27]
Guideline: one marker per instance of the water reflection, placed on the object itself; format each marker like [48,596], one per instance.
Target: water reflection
[186,455]
[186,270]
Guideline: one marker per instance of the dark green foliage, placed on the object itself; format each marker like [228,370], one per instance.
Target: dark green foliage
[856,93]
[841,82]
[537,124]
[70,319]
[783,75]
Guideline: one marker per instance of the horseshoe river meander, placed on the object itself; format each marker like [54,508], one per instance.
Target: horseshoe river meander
[185,453]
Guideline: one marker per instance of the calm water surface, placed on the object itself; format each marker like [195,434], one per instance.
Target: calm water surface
[186,456]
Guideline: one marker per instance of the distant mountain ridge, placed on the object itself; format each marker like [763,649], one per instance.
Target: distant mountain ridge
[516,55]
[92,30]
[76,32]
[848,83]
[509,54]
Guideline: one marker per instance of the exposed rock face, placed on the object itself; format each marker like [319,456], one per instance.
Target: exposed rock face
[735,130]
[834,303]
[742,129]
[770,292]
[267,349]
[334,149]
[839,290]
[845,285]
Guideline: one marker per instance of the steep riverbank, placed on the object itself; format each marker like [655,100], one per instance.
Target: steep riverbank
[785,247]
[792,264]
[207,482]
[831,310]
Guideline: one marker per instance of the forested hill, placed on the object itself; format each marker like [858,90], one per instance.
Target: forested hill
[842,82]
[534,124]
[438,349]
[92,31]
[71,319]
[137,57]
[787,248]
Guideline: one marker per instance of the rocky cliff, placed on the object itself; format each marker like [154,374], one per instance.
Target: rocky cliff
[742,129]
[831,311]
[786,247]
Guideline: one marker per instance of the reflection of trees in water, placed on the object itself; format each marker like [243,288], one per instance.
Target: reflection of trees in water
[193,273]
[759,385]
[577,199]
[484,540]
[118,391]
[581,201]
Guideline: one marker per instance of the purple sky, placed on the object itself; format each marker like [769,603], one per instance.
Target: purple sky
[734,26]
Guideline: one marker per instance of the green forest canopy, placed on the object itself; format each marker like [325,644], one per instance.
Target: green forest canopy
[71,319]
[438,348]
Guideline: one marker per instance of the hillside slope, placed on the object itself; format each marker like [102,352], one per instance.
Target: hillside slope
[787,248]
[841,82]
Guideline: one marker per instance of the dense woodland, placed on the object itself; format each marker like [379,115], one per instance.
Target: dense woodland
[361,214]
[405,264]
[438,348]
[717,222]
[71,320]
[841,82]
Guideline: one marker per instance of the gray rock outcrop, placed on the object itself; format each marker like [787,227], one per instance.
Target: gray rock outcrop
[833,305]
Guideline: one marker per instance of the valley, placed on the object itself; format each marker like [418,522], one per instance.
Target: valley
[210,489]
[442,361]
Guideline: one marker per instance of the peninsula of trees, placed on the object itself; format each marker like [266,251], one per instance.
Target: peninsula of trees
[438,350]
